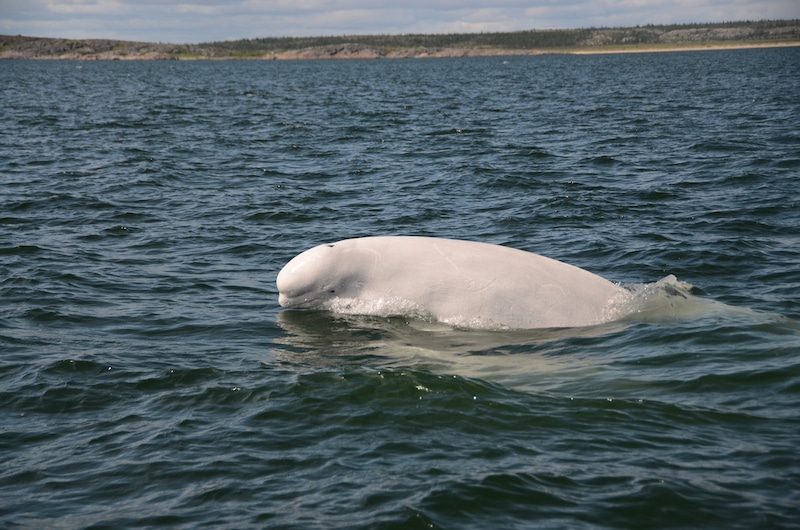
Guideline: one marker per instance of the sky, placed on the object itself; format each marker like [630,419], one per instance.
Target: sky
[196,21]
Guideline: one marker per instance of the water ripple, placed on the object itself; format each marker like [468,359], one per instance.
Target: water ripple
[148,376]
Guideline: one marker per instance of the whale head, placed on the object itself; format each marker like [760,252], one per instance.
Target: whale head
[312,279]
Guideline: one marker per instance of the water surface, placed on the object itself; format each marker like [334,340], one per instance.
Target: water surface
[148,377]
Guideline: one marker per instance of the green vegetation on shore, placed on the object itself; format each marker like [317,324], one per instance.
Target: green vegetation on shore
[655,37]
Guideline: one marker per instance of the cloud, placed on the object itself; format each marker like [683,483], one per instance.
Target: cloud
[88,7]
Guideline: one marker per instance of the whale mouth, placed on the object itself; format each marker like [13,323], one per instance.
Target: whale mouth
[287,301]
[296,302]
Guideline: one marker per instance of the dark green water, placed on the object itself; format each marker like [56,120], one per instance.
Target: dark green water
[149,379]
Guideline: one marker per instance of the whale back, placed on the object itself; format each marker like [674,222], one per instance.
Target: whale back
[458,282]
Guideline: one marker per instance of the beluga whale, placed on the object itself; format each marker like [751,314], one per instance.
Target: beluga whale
[460,283]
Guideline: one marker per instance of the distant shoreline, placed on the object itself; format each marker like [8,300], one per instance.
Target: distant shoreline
[322,54]
[464,52]
[584,41]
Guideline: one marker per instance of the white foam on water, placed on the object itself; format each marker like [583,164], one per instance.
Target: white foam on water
[670,300]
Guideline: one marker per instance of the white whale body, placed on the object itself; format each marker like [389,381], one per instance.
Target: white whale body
[461,283]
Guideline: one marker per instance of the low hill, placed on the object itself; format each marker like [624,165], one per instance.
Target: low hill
[586,40]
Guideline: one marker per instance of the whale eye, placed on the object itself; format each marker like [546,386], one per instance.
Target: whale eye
[330,246]
[332,291]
